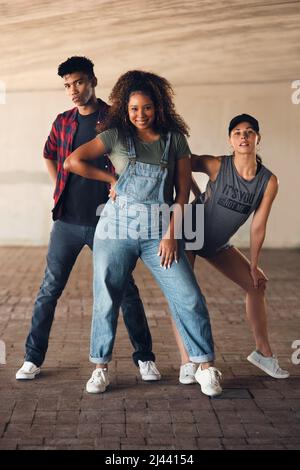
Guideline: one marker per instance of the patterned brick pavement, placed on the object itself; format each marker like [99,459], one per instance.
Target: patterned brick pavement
[55,412]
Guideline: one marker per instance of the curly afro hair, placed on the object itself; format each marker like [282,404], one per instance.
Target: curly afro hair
[76,64]
[155,87]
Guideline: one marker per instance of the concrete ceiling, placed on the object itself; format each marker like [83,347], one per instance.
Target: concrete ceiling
[189,42]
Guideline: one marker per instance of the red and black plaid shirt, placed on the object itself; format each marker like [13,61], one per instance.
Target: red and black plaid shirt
[59,146]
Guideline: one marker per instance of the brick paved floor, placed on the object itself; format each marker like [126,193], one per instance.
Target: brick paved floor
[54,411]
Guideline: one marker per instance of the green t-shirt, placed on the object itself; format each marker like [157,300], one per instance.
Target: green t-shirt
[146,152]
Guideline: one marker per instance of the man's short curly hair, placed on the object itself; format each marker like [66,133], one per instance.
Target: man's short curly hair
[161,93]
[76,64]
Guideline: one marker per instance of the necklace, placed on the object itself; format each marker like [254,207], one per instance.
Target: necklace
[98,117]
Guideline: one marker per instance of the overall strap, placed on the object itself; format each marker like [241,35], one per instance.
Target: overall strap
[131,150]
[165,155]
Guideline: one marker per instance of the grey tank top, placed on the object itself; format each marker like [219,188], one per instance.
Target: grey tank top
[228,203]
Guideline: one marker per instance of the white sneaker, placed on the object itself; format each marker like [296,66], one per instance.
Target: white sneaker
[209,380]
[28,371]
[98,382]
[187,373]
[149,371]
[268,364]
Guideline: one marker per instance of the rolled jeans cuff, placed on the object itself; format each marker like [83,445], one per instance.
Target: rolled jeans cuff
[199,359]
[100,360]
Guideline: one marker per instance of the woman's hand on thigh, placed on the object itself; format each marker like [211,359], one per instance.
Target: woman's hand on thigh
[168,252]
[258,276]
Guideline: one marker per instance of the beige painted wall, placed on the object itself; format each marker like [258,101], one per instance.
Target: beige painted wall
[25,119]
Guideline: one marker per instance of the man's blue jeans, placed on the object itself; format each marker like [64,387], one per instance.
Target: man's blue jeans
[66,242]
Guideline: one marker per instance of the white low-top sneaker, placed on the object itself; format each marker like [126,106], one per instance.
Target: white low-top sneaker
[28,371]
[99,381]
[209,380]
[187,373]
[149,371]
[268,364]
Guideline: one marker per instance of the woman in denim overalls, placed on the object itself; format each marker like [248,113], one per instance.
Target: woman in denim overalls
[143,118]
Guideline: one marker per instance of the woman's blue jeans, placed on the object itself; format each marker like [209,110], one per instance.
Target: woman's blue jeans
[114,261]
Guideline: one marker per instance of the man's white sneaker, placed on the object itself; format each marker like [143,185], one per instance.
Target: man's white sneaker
[268,364]
[98,382]
[149,371]
[28,371]
[187,373]
[209,380]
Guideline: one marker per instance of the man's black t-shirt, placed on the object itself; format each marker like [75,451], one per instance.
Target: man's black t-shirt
[82,196]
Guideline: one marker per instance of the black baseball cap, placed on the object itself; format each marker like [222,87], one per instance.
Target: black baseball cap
[243,118]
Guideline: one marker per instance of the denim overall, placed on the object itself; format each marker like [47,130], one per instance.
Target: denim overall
[121,237]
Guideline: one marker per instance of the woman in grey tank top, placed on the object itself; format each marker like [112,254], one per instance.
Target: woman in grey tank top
[238,186]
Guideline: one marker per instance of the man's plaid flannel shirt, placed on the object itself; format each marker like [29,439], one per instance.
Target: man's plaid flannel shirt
[59,146]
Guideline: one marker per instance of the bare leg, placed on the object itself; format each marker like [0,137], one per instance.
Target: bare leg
[183,354]
[191,257]
[234,265]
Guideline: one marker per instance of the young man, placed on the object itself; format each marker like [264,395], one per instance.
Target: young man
[75,204]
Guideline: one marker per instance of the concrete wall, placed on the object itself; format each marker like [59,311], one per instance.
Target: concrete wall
[25,120]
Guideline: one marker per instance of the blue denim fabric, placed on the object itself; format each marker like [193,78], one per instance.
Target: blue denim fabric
[117,251]
[66,242]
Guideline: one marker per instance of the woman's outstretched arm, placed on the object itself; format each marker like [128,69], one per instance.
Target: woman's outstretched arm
[205,164]
[78,161]
[258,227]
